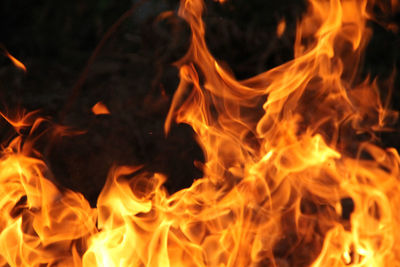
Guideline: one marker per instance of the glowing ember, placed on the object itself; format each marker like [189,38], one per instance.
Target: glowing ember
[99,108]
[281,28]
[15,61]
[279,177]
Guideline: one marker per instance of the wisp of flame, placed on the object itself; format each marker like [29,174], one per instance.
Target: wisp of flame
[289,177]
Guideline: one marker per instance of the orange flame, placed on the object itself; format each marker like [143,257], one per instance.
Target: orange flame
[15,61]
[99,108]
[283,157]
[280,29]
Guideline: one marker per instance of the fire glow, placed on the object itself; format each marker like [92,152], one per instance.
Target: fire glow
[278,168]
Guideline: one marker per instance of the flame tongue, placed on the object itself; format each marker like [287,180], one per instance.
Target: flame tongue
[39,224]
[15,61]
[282,159]
[295,150]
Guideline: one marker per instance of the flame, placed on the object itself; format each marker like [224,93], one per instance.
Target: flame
[280,29]
[99,108]
[39,223]
[15,61]
[289,177]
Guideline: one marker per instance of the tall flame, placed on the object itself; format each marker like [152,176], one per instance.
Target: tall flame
[289,177]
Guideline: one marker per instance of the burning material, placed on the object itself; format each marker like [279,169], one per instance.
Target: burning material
[281,27]
[15,61]
[287,178]
[99,108]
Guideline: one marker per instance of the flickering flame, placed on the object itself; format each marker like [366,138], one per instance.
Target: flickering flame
[280,29]
[15,61]
[283,155]
[99,108]
[39,223]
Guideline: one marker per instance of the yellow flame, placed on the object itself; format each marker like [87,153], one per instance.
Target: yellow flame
[282,150]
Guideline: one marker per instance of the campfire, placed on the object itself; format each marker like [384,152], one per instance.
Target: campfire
[294,174]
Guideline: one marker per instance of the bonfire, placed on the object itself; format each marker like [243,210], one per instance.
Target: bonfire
[287,179]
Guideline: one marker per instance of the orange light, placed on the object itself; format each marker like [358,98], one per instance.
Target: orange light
[99,108]
[280,29]
[15,61]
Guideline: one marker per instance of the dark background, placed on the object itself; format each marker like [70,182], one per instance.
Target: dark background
[133,75]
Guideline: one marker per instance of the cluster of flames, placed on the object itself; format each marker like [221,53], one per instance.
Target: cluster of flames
[283,157]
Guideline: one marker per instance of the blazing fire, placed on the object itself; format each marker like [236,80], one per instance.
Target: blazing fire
[288,181]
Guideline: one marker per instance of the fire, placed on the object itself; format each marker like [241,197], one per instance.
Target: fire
[280,29]
[15,61]
[288,180]
[99,108]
